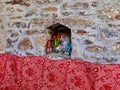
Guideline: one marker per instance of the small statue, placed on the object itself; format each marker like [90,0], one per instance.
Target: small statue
[68,47]
[55,42]
[48,47]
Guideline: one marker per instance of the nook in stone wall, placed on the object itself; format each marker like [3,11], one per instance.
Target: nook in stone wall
[59,41]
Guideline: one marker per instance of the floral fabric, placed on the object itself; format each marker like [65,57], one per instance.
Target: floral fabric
[40,73]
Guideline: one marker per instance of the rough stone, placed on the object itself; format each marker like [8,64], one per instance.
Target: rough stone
[25,44]
[31,12]
[32,32]
[116,47]
[81,32]
[87,41]
[15,17]
[109,33]
[21,2]
[19,24]
[44,2]
[1,45]
[96,48]
[40,40]
[95,3]
[80,5]
[67,13]
[14,34]
[50,9]
[3,34]
[110,59]
[109,13]
[19,9]
[9,43]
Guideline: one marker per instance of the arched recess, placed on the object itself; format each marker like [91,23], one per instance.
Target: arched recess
[59,41]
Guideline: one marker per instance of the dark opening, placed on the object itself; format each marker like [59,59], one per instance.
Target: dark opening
[60,41]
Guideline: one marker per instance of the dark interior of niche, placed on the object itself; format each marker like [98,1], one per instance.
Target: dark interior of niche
[60,41]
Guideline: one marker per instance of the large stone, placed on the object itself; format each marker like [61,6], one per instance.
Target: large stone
[25,44]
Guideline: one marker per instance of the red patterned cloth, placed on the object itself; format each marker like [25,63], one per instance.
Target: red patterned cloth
[40,73]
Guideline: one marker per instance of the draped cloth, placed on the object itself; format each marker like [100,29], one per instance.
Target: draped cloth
[40,73]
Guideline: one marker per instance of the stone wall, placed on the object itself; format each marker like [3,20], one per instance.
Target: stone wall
[95,26]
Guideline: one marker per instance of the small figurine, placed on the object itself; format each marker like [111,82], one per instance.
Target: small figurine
[48,47]
[55,42]
[68,47]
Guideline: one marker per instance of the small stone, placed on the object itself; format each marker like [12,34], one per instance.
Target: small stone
[45,2]
[31,12]
[32,32]
[19,24]
[95,3]
[109,33]
[80,5]
[20,2]
[109,59]
[15,17]
[116,17]
[40,40]
[96,48]
[50,9]
[14,34]
[9,43]
[9,10]
[81,32]
[29,53]
[25,44]
[1,46]
[88,42]
[3,34]
[67,13]
[65,5]
[116,47]
[19,9]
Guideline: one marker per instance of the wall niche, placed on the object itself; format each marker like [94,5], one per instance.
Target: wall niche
[59,43]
